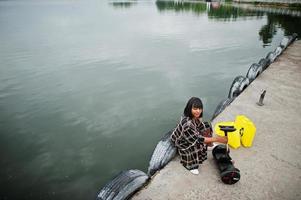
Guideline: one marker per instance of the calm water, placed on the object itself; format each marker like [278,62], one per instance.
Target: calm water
[87,88]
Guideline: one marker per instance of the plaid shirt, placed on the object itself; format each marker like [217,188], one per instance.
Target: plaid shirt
[188,137]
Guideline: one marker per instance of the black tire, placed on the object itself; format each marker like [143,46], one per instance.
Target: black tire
[239,84]
[271,57]
[123,185]
[264,63]
[230,177]
[254,71]
[292,38]
[221,106]
[164,152]
[278,51]
[284,43]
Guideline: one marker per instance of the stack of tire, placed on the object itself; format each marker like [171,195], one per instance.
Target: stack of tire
[240,83]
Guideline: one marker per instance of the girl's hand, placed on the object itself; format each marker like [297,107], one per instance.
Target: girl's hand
[218,139]
[223,139]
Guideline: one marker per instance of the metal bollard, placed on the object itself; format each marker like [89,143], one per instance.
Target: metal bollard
[260,102]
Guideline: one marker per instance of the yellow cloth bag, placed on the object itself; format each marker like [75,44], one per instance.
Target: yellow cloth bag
[244,134]
[246,129]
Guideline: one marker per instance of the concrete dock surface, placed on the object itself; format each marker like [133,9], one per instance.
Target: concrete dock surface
[271,168]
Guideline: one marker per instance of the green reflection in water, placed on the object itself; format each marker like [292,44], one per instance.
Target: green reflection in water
[123,4]
[289,24]
[227,12]
[197,8]
[215,10]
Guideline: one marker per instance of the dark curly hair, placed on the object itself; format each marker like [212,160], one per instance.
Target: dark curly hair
[193,102]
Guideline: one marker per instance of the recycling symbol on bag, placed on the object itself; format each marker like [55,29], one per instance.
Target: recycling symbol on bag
[241,131]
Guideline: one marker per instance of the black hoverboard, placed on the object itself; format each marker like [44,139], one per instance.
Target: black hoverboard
[229,174]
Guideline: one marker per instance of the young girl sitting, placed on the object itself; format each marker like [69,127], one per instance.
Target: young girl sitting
[192,136]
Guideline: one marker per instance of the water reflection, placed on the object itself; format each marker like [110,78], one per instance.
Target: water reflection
[123,4]
[290,24]
[214,10]
[227,12]
[180,6]
[284,18]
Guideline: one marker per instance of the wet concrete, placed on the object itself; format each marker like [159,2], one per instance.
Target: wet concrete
[271,168]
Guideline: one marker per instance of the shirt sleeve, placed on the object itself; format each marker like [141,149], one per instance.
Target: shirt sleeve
[176,134]
[206,129]
[192,136]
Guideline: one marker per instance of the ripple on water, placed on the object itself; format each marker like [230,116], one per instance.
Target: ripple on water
[213,45]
